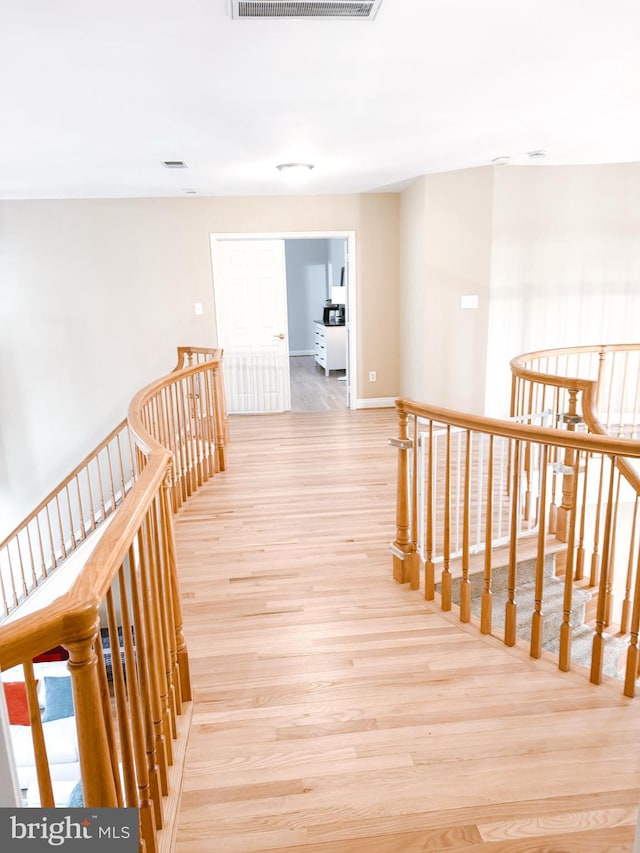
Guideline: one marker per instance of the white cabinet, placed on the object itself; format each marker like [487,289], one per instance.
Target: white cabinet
[330,346]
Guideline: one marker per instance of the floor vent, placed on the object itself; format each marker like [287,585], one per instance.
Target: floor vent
[362,10]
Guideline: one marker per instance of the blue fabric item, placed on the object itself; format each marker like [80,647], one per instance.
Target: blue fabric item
[76,800]
[58,698]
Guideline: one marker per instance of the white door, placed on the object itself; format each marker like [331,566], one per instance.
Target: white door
[249,280]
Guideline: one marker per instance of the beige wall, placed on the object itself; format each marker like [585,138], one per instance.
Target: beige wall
[97,294]
[566,263]
[446,228]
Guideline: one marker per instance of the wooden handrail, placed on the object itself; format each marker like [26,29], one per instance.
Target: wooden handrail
[127,594]
[64,519]
[511,463]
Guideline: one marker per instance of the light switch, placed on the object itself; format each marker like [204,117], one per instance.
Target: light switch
[198,307]
[467,302]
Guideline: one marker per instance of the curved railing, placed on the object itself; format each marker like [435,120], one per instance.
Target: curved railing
[119,616]
[476,528]
[598,385]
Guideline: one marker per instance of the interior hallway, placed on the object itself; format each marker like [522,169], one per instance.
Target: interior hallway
[334,711]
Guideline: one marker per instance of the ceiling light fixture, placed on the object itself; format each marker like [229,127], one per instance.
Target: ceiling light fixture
[294,168]
[174,164]
[538,154]
[501,161]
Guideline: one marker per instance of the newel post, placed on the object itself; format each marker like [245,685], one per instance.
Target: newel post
[96,766]
[405,557]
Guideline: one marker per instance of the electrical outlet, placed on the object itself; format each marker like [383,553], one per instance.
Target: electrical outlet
[372,376]
[198,308]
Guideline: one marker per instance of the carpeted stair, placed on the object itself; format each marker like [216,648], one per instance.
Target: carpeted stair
[553,597]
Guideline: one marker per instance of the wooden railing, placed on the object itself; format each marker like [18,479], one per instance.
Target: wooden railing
[64,520]
[497,483]
[120,619]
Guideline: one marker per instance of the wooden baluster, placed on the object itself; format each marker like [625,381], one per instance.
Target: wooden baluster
[43,774]
[633,652]
[43,563]
[23,578]
[72,536]
[429,568]
[107,716]
[151,659]
[208,422]
[112,488]
[103,512]
[598,640]
[93,747]
[34,577]
[192,485]
[611,561]
[196,438]
[564,518]
[555,458]
[537,620]
[14,591]
[122,715]
[580,553]
[159,635]
[402,554]
[487,595]
[52,547]
[180,450]
[144,793]
[63,549]
[626,604]
[566,629]
[414,561]
[173,702]
[139,609]
[511,607]
[175,446]
[183,677]
[220,418]
[3,591]
[446,548]
[465,586]
[594,575]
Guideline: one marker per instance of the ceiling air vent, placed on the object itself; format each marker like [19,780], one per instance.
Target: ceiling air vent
[362,10]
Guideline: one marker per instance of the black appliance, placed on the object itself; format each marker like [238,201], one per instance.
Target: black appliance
[333,315]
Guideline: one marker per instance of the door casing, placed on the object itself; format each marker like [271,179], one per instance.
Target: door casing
[350,237]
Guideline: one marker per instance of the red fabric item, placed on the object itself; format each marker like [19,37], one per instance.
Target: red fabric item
[59,653]
[15,692]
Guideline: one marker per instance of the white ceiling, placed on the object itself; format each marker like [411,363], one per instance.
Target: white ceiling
[95,94]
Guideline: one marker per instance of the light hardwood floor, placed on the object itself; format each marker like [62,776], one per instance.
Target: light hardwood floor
[335,711]
[312,390]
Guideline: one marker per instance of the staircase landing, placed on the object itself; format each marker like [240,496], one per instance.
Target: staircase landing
[335,712]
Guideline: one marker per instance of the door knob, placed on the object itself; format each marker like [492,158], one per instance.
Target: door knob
[280,336]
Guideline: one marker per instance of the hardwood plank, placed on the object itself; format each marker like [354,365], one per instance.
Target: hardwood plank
[336,711]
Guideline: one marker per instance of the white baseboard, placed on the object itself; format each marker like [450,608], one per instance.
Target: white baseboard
[302,352]
[376,403]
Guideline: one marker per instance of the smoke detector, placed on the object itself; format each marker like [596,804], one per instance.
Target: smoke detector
[361,10]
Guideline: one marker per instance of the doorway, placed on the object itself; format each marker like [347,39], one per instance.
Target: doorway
[254,295]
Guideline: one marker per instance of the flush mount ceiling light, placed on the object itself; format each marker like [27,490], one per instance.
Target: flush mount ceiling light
[295,173]
[294,168]
[538,154]
[174,164]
